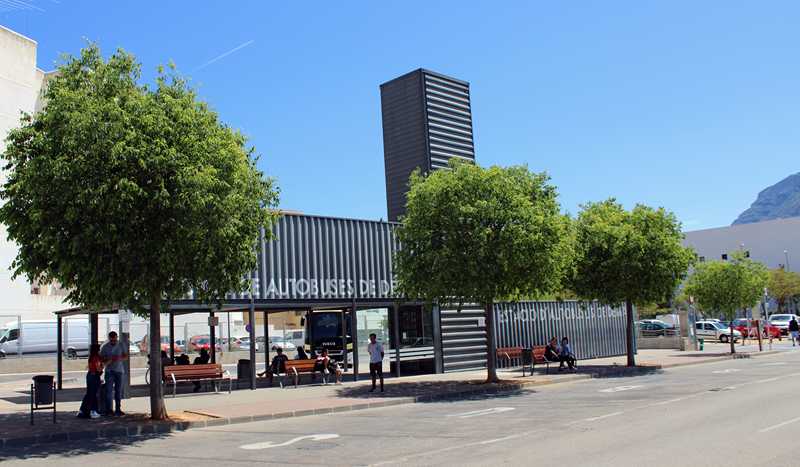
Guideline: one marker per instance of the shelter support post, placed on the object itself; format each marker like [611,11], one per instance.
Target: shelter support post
[172,337]
[59,352]
[354,339]
[93,328]
[437,338]
[251,319]
[396,333]
[213,337]
[266,340]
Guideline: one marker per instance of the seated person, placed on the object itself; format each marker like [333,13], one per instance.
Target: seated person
[182,359]
[566,355]
[277,367]
[551,351]
[301,354]
[326,365]
[202,359]
[165,360]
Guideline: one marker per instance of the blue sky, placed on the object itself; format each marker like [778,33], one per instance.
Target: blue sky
[689,105]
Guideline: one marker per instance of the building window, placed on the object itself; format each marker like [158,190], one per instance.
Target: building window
[702,259]
[724,257]
[747,254]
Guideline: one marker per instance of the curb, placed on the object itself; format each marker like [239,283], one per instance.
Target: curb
[722,358]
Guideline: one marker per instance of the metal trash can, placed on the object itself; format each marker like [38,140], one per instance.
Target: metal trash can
[527,360]
[43,395]
[701,342]
[242,371]
[43,389]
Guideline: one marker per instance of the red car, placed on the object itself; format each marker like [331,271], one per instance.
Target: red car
[748,328]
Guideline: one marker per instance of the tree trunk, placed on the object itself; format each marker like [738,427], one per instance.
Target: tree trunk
[157,409]
[629,334]
[733,350]
[491,350]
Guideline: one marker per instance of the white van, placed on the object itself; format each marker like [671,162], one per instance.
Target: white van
[41,337]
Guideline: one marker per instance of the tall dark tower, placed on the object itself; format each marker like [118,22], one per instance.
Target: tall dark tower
[427,120]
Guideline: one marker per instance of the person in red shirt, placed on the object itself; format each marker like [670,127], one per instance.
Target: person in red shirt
[91,403]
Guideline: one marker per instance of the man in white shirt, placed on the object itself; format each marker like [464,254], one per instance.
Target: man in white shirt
[375,350]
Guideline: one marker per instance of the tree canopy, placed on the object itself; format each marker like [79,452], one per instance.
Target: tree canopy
[728,286]
[476,235]
[126,193]
[634,257]
[784,286]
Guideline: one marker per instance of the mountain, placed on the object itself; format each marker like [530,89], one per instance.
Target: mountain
[776,202]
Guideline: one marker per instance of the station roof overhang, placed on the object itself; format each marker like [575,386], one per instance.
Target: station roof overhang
[183,307]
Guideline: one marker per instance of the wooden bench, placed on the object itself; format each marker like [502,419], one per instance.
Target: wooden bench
[210,372]
[539,358]
[295,368]
[512,353]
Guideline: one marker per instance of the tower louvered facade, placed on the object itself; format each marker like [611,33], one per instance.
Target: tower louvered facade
[427,120]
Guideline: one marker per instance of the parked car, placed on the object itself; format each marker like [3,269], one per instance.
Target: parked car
[748,328]
[144,345]
[286,345]
[133,349]
[244,344]
[203,342]
[41,337]
[716,330]
[653,328]
[781,321]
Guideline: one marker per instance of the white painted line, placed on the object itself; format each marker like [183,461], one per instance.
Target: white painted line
[620,388]
[768,380]
[728,370]
[498,440]
[479,413]
[612,414]
[270,444]
[775,427]
[773,364]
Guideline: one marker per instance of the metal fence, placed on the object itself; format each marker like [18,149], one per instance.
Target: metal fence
[594,330]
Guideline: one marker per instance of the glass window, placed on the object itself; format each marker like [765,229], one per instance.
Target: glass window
[699,325]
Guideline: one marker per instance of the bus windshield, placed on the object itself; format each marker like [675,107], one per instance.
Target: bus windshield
[327,325]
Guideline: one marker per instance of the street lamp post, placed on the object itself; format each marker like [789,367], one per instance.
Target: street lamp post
[786,257]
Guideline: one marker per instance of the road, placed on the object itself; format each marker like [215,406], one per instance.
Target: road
[733,413]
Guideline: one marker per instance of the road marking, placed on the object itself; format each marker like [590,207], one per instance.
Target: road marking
[728,370]
[478,413]
[620,388]
[270,444]
[768,380]
[774,364]
[612,414]
[775,427]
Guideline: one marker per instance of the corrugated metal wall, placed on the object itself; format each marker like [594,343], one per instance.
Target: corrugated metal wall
[594,330]
[315,257]
[463,338]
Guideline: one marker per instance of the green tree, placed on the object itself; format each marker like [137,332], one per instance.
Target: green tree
[728,286]
[633,257]
[477,235]
[127,194]
[784,286]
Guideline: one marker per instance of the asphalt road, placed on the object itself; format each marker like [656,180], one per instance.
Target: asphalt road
[733,413]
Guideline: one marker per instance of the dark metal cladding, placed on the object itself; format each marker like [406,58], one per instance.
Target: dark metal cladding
[316,257]
[427,120]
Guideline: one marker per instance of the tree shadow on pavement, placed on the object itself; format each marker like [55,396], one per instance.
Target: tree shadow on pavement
[437,391]
[75,447]
[24,440]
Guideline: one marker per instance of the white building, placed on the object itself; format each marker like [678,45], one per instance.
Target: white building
[20,85]
[775,243]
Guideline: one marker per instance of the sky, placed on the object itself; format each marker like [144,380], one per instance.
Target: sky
[692,106]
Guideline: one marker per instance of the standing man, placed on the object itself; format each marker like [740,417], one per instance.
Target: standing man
[375,350]
[113,354]
[794,330]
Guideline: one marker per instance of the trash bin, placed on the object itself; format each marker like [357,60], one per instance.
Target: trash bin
[42,390]
[701,342]
[242,371]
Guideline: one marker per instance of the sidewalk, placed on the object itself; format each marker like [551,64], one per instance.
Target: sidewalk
[210,409]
